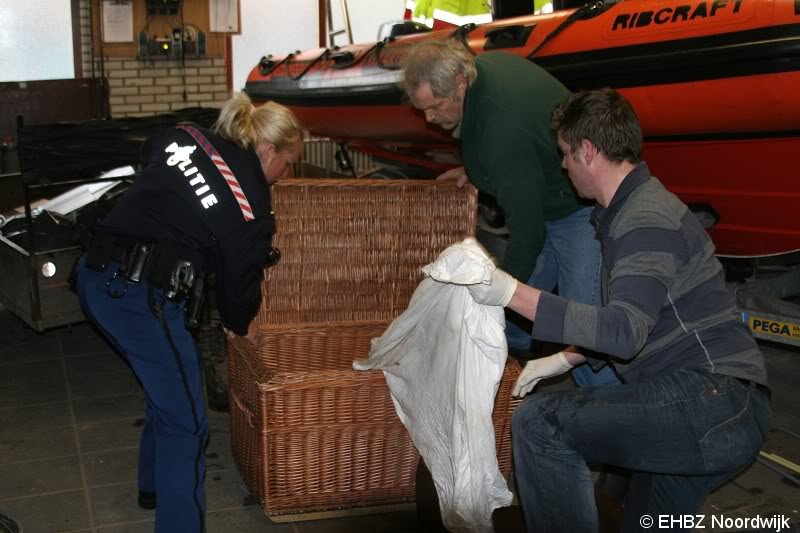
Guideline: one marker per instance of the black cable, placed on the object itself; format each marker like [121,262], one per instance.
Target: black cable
[91,36]
[103,88]
[183,56]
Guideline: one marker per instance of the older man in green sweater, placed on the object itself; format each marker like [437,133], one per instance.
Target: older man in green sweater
[499,105]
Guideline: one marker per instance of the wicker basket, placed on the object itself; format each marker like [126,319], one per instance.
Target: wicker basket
[317,435]
[309,433]
[352,249]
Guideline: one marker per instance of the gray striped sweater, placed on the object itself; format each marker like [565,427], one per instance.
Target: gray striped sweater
[665,303]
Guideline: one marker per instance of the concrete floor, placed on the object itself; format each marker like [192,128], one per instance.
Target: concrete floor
[71,412]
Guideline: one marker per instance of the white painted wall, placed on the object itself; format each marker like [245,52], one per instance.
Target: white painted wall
[272,27]
[366,16]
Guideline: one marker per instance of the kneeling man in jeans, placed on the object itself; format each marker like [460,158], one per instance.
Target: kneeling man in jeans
[694,406]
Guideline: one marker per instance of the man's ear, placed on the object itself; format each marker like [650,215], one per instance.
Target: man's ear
[588,151]
[461,85]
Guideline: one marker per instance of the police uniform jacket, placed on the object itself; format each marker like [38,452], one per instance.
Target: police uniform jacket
[183,197]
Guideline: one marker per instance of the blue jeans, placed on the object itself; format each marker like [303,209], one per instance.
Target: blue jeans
[570,260]
[681,435]
[166,361]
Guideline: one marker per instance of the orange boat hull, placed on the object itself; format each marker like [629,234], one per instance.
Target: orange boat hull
[715,83]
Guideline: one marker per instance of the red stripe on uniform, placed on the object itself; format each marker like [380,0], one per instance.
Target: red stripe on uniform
[224,169]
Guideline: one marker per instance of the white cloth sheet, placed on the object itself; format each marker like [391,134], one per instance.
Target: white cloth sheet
[443,359]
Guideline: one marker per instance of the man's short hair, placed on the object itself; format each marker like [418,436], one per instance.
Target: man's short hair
[437,62]
[606,119]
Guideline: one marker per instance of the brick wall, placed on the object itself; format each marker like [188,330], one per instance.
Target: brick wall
[86,38]
[141,88]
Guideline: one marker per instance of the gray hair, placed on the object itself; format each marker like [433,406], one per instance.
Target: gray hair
[437,63]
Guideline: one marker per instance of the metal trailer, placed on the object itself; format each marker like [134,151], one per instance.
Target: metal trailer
[34,285]
[34,278]
[766,299]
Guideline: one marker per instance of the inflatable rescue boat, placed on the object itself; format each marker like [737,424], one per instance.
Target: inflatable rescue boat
[715,83]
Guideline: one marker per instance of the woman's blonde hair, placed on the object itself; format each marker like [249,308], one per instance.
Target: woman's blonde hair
[246,125]
[437,63]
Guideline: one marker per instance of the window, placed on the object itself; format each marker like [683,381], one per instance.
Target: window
[36,40]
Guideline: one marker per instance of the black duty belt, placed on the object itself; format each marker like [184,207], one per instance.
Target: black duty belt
[164,264]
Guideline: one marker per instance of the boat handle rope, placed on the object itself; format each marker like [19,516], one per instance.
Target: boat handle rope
[357,60]
[316,60]
[266,65]
[461,33]
[378,49]
[586,11]
[328,53]
[514,36]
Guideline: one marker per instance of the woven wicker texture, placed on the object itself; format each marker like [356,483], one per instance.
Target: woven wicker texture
[310,440]
[309,433]
[352,249]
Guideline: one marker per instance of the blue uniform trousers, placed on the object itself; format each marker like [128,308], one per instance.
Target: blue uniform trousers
[148,330]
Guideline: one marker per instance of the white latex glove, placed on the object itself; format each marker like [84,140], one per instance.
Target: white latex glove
[498,292]
[538,369]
